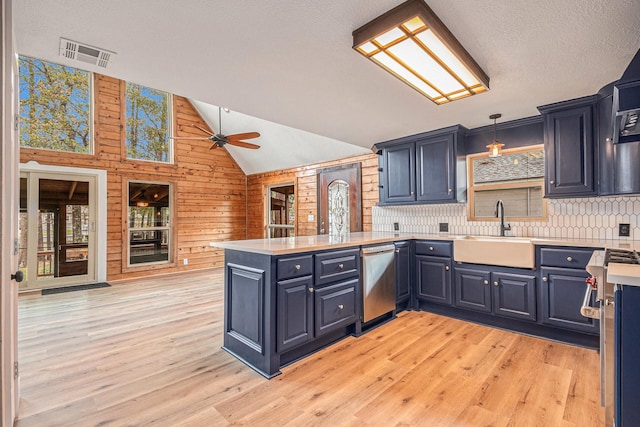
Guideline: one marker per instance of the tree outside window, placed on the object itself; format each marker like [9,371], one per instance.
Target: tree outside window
[147,124]
[55,106]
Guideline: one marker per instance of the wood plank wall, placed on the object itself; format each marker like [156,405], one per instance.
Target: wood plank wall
[305,182]
[209,188]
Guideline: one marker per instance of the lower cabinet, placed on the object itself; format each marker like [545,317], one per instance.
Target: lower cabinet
[403,276]
[433,279]
[508,294]
[295,312]
[562,296]
[335,306]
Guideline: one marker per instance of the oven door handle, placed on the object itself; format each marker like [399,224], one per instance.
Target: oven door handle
[587,310]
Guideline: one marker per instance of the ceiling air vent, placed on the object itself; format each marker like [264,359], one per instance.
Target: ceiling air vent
[85,53]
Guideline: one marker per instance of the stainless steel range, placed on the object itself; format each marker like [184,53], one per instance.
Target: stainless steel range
[598,282]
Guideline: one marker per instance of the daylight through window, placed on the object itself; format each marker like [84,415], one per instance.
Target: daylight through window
[148,124]
[55,106]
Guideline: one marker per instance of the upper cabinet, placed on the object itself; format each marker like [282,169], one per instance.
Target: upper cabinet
[569,142]
[424,168]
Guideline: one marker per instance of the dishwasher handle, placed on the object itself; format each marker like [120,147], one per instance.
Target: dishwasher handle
[376,250]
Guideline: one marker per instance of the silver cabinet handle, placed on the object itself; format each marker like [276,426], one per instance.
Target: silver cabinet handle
[544,279]
[340,266]
[340,306]
[446,267]
[551,182]
[569,259]
[486,282]
[297,266]
[310,290]
[496,284]
[449,190]
[397,251]
[431,248]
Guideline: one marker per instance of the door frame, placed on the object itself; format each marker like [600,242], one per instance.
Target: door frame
[101,214]
[9,184]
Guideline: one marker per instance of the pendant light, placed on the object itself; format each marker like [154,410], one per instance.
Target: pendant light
[495,148]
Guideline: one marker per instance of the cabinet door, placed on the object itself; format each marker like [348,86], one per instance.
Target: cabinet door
[335,306]
[514,295]
[403,269]
[295,309]
[433,279]
[473,289]
[398,174]
[435,166]
[562,294]
[569,158]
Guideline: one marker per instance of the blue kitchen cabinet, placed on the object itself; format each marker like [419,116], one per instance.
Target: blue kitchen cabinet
[435,169]
[504,293]
[295,312]
[570,157]
[473,289]
[627,354]
[424,168]
[563,278]
[397,176]
[433,263]
[403,274]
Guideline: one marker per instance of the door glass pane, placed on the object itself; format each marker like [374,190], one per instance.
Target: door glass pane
[22,230]
[63,228]
[149,223]
[338,201]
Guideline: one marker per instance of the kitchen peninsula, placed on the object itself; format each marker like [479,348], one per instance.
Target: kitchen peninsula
[288,297]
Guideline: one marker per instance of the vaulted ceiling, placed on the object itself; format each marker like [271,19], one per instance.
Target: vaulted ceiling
[291,63]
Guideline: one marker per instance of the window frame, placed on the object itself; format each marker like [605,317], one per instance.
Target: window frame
[516,184]
[171,125]
[92,107]
[170,227]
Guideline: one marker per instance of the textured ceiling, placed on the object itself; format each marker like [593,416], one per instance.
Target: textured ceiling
[291,62]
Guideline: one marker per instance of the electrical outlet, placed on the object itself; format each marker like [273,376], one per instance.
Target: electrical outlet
[185,261]
[624,230]
[444,227]
[396,226]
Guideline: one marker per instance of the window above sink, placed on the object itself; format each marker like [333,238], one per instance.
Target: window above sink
[516,178]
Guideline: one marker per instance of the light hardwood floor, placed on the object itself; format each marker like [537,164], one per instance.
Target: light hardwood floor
[147,352]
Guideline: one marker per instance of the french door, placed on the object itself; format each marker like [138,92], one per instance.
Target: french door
[57,229]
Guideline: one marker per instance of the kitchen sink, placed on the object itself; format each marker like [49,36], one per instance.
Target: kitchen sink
[504,251]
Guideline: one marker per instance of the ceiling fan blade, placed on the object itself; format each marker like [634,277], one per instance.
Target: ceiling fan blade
[202,129]
[213,146]
[248,135]
[243,144]
[198,138]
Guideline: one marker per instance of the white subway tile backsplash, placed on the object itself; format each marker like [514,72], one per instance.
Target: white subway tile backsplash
[573,218]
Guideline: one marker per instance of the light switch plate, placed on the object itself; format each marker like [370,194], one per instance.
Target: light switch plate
[396,226]
[310,217]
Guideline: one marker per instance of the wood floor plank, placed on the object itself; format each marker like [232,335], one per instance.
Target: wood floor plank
[147,351]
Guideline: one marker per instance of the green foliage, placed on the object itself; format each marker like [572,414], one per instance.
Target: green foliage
[54,106]
[147,123]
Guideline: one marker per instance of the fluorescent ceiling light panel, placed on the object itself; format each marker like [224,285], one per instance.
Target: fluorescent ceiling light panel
[413,44]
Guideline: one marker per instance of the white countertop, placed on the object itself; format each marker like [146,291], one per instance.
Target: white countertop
[623,274]
[289,245]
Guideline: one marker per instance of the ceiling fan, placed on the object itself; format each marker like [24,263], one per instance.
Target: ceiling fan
[219,139]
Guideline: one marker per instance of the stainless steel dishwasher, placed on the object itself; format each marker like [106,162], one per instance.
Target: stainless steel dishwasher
[378,281]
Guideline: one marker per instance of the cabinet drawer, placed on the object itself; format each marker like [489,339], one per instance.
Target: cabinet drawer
[565,257]
[335,306]
[434,248]
[295,267]
[337,265]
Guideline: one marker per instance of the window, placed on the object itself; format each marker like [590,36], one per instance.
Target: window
[148,124]
[55,106]
[149,223]
[281,212]
[516,178]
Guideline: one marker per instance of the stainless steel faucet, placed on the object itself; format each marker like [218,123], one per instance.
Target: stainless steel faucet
[500,214]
